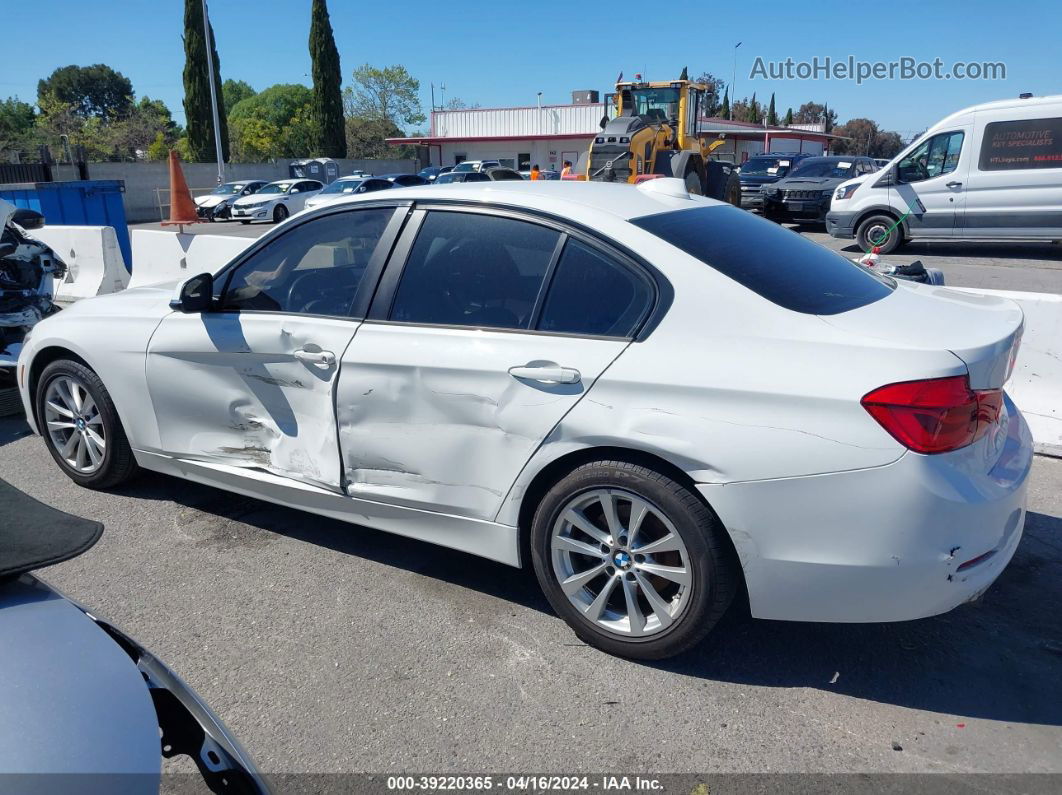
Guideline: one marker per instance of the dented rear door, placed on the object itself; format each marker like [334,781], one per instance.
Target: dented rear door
[252,384]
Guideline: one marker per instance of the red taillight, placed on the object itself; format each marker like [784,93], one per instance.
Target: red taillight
[935,415]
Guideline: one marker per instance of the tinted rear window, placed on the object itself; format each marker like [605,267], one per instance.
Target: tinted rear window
[780,265]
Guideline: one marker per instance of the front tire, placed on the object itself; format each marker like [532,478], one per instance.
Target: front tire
[633,561]
[877,228]
[280,212]
[693,181]
[81,428]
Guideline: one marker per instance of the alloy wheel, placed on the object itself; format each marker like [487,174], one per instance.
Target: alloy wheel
[621,562]
[74,425]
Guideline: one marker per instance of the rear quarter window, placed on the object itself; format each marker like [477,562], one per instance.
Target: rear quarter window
[775,263]
[1030,143]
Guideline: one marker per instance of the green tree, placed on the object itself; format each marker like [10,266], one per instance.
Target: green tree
[197,110]
[753,112]
[95,90]
[814,113]
[366,137]
[788,117]
[724,109]
[17,125]
[235,91]
[289,129]
[159,149]
[712,95]
[772,114]
[390,94]
[327,116]
[130,137]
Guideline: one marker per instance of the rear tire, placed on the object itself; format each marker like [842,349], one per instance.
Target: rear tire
[644,605]
[873,229]
[78,421]
[733,189]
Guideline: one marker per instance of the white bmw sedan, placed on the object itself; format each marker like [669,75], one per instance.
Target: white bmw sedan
[655,400]
[276,201]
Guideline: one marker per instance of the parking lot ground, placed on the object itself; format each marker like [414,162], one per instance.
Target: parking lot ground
[1032,267]
[328,647]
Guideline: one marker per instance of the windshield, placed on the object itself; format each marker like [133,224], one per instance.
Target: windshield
[343,186]
[466,166]
[783,267]
[228,189]
[838,169]
[443,179]
[661,103]
[276,187]
[766,166]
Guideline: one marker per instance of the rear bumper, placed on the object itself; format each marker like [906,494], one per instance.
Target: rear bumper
[882,544]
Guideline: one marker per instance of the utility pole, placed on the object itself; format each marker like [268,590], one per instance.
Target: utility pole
[733,83]
[207,34]
[539,113]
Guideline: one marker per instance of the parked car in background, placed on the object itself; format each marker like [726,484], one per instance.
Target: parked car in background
[404,180]
[347,186]
[881,162]
[432,172]
[762,170]
[275,201]
[505,369]
[988,172]
[218,203]
[86,708]
[493,175]
[804,195]
[477,165]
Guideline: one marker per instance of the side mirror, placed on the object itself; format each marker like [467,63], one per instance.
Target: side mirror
[28,219]
[888,178]
[195,294]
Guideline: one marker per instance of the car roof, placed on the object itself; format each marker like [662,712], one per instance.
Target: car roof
[558,197]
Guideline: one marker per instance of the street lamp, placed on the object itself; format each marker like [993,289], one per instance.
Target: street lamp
[540,113]
[733,81]
[213,93]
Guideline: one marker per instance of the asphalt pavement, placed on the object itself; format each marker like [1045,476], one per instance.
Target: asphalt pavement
[328,647]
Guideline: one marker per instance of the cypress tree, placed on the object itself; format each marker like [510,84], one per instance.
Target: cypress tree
[772,114]
[724,110]
[327,100]
[788,117]
[199,117]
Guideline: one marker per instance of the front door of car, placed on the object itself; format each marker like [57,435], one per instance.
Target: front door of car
[930,184]
[251,383]
[473,352]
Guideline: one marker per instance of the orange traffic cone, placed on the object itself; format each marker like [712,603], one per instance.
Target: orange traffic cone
[182,208]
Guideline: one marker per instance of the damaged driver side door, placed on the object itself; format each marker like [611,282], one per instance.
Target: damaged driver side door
[250,383]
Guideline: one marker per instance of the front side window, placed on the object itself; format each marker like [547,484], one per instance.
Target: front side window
[1031,143]
[935,156]
[467,269]
[785,268]
[315,269]
[593,294]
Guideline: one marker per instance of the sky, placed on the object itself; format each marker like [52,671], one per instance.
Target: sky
[504,53]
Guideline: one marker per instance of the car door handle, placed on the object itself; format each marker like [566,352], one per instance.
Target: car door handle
[953,184]
[317,358]
[553,374]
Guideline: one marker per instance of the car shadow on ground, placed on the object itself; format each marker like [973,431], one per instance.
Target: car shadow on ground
[998,658]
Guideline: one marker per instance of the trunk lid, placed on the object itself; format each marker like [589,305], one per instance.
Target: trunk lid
[983,331]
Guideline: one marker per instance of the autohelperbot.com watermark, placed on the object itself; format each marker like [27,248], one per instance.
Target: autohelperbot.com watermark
[906,67]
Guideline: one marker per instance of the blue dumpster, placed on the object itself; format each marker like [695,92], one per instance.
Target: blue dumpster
[92,202]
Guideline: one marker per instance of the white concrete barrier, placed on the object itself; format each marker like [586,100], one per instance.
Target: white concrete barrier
[160,257]
[94,261]
[1036,385]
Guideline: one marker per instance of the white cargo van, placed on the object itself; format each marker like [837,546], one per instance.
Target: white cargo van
[990,172]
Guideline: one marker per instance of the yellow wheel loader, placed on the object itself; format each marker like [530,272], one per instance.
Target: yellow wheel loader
[654,131]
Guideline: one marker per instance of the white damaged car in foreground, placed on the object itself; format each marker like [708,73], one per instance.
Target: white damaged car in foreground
[651,398]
